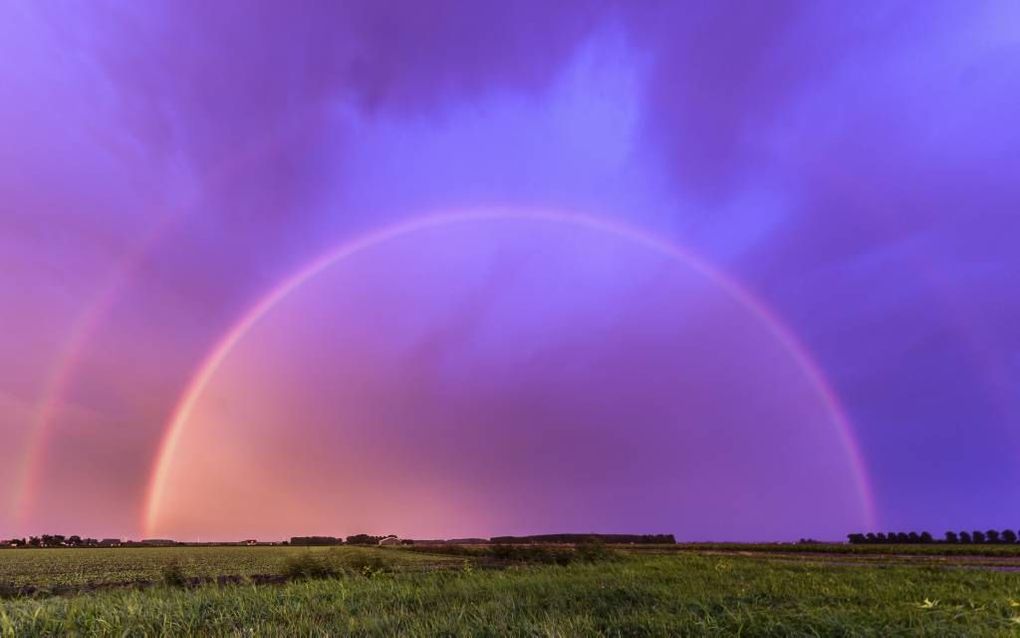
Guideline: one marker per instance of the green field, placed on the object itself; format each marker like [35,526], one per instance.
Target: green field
[48,568]
[934,549]
[634,592]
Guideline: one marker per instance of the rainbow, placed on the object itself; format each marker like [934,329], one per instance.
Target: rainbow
[83,328]
[88,321]
[223,348]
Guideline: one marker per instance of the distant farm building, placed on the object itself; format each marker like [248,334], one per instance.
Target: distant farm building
[390,540]
[251,541]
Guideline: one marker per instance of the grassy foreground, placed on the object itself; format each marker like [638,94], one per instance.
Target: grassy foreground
[640,594]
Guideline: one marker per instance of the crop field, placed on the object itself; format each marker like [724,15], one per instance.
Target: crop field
[387,591]
[74,569]
[934,549]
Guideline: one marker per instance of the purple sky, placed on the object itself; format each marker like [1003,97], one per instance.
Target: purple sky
[850,168]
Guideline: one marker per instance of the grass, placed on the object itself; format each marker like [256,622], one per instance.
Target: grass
[43,568]
[634,594]
[543,554]
[934,549]
[338,562]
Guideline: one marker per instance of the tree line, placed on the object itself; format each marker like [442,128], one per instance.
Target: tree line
[658,539]
[354,539]
[58,540]
[976,537]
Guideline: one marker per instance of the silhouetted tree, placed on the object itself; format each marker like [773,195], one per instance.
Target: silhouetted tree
[978,536]
[881,537]
[74,540]
[992,535]
[951,537]
[856,539]
[926,537]
[657,539]
[913,537]
[1008,536]
[315,540]
[965,538]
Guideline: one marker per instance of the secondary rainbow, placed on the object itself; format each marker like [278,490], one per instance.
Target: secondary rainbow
[89,321]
